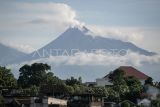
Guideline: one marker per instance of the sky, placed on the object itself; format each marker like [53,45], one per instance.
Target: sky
[29,25]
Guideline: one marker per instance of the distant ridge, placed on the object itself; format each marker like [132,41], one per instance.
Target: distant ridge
[8,54]
[78,38]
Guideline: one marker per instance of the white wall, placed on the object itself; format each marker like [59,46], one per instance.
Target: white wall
[103,82]
[142,82]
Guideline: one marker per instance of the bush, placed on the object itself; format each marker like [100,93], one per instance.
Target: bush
[125,104]
[140,106]
[1,99]
[155,103]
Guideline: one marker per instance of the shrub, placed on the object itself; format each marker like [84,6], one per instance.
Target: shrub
[125,104]
[155,103]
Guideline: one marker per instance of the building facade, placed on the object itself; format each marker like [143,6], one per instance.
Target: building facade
[128,71]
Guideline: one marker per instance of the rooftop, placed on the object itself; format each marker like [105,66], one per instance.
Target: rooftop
[130,71]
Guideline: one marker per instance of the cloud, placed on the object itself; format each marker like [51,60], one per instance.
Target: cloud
[120,33]
[57,14]
[39,20]
[24,15]
[35,24]
[101,63]
[99,59]
[20,47]
[141,36]
[93,59]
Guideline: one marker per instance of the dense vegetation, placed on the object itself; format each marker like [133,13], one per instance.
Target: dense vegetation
[7,78]
[32,78]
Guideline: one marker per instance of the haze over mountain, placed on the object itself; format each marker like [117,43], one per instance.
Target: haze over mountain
[78,40]
[73,40]
[8,54]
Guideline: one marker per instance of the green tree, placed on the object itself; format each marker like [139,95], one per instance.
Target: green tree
[24,76]
[123,90]
[90,90]
[73,81]
[117,77]
[76,88]
[127,87]
[1,99]
[32,75]
[125,104]
[69,89]
[7,78]
[159,84]
[50,79]
[155,103]
[112,94]
[80,80]
[149,81]
[135,88]
[100,90]
[34,90]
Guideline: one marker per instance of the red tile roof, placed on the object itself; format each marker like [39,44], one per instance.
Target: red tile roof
[130,71]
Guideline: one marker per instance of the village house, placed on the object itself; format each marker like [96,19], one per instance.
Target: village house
[27,101]
[85,100]
[144,102]
[128,71]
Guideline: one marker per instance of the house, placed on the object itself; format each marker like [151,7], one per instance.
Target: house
[152,91]
[103,82]
[121,104]
[144,102]
[27,101]
[107,103]
[85,100]
[90,84]
[128,71]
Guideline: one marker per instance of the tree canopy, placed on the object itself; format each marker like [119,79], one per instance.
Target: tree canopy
[7,78]
[34,74]
[127,87]
[33,78]
[149,81]
[117,76]
[72,81]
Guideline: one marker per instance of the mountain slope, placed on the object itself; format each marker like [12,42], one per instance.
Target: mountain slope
[74,38]
[77,39]
[8,54]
